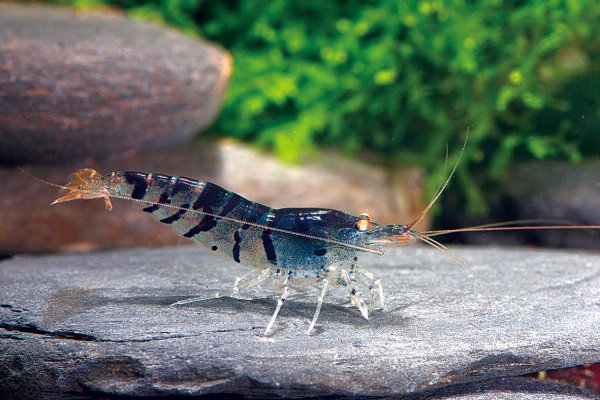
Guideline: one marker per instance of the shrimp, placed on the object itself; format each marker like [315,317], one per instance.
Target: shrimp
[313,246]
[318,247]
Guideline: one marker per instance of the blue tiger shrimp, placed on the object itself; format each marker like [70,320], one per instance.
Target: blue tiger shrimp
[318,247]
[307,246]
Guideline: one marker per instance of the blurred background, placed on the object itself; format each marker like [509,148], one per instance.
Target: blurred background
[400,83]
[404,79]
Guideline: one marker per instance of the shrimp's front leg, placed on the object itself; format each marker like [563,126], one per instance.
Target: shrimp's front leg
[355,296]
[374,285]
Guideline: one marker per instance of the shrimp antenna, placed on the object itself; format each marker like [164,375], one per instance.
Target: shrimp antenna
[106,196]
[434,243]
[440,189]
[41,180]
[495,228]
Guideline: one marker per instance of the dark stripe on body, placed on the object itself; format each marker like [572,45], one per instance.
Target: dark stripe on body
[212,197]
[185,185]
[231,202]
[163,199]
[236,246]
[138,180]
[206,224]
[180,185]
[151,209]
[177,215]
[268,245]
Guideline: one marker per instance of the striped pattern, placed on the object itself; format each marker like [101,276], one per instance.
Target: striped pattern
[139,183]
[206,197]
[268,246]
[237,238]
[261,247]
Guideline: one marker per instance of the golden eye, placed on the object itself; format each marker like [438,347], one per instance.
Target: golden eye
[363,225]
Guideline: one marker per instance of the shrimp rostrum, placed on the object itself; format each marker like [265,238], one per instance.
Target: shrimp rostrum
[294,246]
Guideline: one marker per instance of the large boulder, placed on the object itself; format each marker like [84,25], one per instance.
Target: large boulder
[560,191]
[76,85]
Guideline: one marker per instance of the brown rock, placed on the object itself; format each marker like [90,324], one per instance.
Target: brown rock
[31,225]
[78,85]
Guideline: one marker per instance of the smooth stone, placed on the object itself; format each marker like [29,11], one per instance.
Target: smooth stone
[79,84]
[30,225]
[101,325]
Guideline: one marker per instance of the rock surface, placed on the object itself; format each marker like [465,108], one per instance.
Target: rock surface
[81,84]
[100,325]
[29,224]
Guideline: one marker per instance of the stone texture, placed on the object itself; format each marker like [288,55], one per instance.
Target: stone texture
[80,84]
[30,225]
[100,325]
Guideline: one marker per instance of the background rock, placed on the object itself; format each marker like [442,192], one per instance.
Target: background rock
[81,84]
[101,325]
[30,225]
[551,190]
[557,190]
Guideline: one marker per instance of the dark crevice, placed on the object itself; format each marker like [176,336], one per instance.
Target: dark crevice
[6,336]
[12,308]
[31,328]
[96,394]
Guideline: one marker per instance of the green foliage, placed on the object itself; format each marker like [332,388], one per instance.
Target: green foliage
[404,78]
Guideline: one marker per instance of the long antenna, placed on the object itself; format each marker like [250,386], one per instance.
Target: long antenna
[506,228]
[440,190]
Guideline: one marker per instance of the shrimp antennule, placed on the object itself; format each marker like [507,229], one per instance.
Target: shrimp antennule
[441,189]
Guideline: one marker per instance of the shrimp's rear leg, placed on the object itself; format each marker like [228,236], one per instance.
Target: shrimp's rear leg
[240,284]
[282,299]
[244,282]
[355,296]
[319,304]
[374,285]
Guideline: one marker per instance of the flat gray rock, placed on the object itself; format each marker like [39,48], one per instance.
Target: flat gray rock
[79,84]
[100,324]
